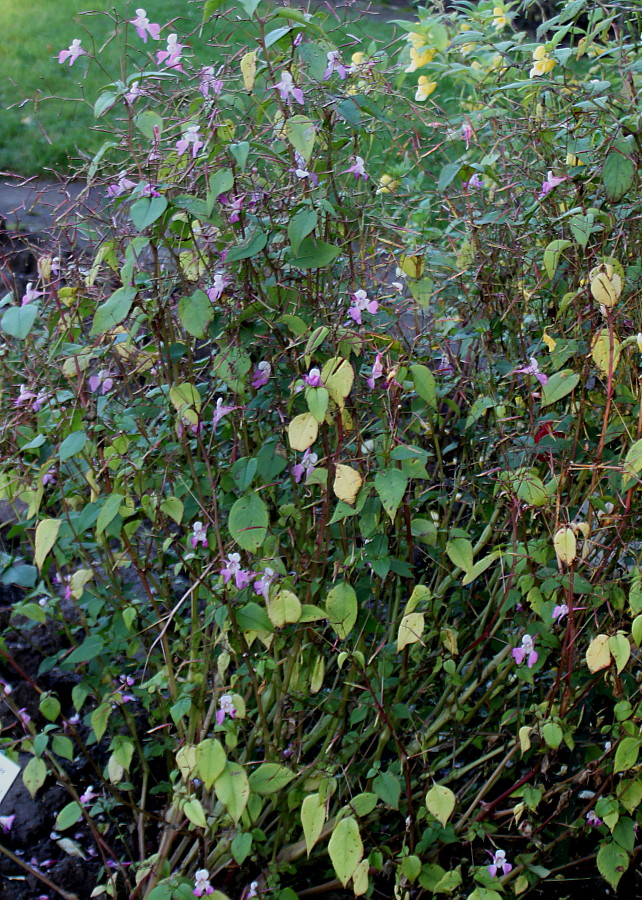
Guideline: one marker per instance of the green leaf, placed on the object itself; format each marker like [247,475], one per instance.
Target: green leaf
[391,486]
[253,617]
[220,182]
[210,761]
[341,609]
[270,778]
[34,775]
[301,133]
[345,848]
[241,847]
[146,211]
[448,175]
[90,649]
[552,734]
[99,719]
[424,383]
[173,507]
[251,246]
[248,522]
[63,746]
[386,786]
[480,566]
[113,311]
[632,462]
[312,819]
[104,103]
[317,400]
[196,313]
[232,789]
[49,706]
[440,802]
[558,386]
[72,445]
[68,816]
[300,226]
[313,254]
[240,152]
[618,175]
[195,812]
[18,321]
[612,862]
[411,629]
[620,650]
[626,755]
[108,512]
[553,253]
[284,608]
[147,122]
[460,553]
[46,534]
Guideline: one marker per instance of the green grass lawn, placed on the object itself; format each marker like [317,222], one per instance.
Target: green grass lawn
[46,109]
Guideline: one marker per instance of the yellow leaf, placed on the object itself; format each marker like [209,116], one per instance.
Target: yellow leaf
[412,266]
[565,545]
[525,738]
[550,343]
[598,655]
[46,534]
[605,357]
[284,608]
[303,431]
[347,482]
[248,69]
[410,630]
[606,288]
[360,878]
[440,802]
[338,378]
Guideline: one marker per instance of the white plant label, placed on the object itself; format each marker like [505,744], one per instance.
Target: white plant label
[8,773]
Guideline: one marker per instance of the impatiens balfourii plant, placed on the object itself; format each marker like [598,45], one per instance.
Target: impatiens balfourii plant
[324,464]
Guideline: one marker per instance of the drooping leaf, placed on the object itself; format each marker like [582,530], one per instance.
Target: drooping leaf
[34,775]
[345,848]
[410,631]
[440,802]
[620,650]
[251,246]
[284,608]
[341,609]
[46,535]
[346,484]
[387,787]
[232,789]
[552,255]
[390,485]
[312,819]
[565,545]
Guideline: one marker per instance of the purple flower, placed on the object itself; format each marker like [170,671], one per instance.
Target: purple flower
[550,182]
[242,577]
[66,581]
[476,181]
[202,882]
[236,205]
[186,425]
[377,372]
[199,535]
[6,823]
[499,862]
[123,184]
[218,286]
[560,611]
[30,294]
[288,90]
[144,26]
[221,411]
[89,795]
[103,380]
[227,708]
[305,467]
[133,92]
[262,585]
[72,54]
[532,369]
[261,375]
[50,476]
[31,398]
[172,56]
[208,83]
[334,65]
[361,303]
[592,819]
[467,133]
[526,652]
[357,169]
[313,378]
[191,136]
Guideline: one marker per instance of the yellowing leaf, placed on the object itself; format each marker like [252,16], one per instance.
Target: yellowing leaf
[440,802]
[620,650]
[248,69]
[549,341]
[360,878]
[338,377]
[565,545]
[195,812]
[598,655]
[412,266]
[78,581]
[186,760]
[345,848]
[410,630]
[605,356]
[347,482]
[607,288]
[312,819]
[525,738]
[284,608]
[303,431]
[46,534]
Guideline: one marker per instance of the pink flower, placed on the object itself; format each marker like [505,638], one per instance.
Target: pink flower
[550,182]
[305,467]
[50,476]
[467,133]
[208,83]
[144,26]
[526,652]
[30,294]
[89,795]
[262,585]
[123,184]
[476,181]
[532,369]
[261,375]
[6,823]
[221,411]
[172,56]
[357,169]
[24,716]
[199,535]
[220,283]
[237,206]
[29,397]
[288,90]
[191,136]
[202,883]
[227,708]
[185,425]
[72,54]
[313,378]
[592,819]
[499,862]
[361,303]
[560,611]
[242,577]
[334,65]
[133,92]
[103,380]
[377,372]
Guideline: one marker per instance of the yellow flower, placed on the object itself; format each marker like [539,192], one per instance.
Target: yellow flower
[500,19]
[424,89]
[387,184]
[417,40]
[542,62]
[419,59]
[468,48]
[573,160]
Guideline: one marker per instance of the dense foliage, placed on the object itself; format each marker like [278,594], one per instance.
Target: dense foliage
[326,462]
